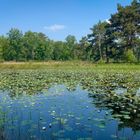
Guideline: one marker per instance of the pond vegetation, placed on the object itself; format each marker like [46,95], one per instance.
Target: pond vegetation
[70,103]
[85,89]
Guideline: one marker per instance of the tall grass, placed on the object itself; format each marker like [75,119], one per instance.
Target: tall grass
[69,65]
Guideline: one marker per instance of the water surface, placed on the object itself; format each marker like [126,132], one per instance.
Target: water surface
[58,113]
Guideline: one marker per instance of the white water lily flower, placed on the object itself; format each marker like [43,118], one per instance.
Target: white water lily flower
[43,128]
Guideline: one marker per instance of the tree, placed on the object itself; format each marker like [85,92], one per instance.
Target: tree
[125,26]
[15,44]
[115,40]
[4,44]
[97,39]
[30,45]
[137,50]
[40,50]
[58,51]
[82,49]
[71,42]
[49,49]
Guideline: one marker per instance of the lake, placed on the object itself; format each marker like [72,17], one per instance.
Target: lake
[58,113]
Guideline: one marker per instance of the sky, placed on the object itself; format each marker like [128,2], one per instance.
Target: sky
[56,18]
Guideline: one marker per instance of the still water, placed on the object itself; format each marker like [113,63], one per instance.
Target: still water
[59,114]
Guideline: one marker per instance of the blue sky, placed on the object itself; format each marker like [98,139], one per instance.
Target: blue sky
[55,18]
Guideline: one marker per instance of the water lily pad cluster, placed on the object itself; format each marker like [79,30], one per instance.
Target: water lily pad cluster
[34,81]
[102,85]
[124,107]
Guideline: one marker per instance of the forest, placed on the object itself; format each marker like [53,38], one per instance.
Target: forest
[114,40]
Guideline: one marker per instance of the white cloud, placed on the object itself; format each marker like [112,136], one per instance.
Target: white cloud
[108,21]
[55,27]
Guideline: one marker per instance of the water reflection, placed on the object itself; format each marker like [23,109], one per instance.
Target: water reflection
[58,113]
[124,106]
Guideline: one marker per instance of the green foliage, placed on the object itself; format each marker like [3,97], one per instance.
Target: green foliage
[97,39]
[129,56]
[71,43]
[15,44]
[109,41]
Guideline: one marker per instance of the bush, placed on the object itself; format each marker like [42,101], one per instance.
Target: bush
[129,56]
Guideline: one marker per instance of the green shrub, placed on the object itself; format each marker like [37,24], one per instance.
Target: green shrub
[129,56]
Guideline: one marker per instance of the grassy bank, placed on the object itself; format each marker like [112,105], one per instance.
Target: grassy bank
[69,65]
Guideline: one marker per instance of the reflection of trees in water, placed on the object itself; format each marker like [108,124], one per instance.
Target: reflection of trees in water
[123,135]
[2,121]
[109,100]
[124,108]
[117,103]
[2,137]
[121,128]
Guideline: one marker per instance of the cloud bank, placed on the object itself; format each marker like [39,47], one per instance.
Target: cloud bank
[55,27]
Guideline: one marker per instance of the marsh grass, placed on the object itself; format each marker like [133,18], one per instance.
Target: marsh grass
[70,65]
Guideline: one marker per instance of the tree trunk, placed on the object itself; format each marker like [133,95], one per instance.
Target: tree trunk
[107,55]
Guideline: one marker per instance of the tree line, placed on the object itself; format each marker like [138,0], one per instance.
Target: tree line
[114,40]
